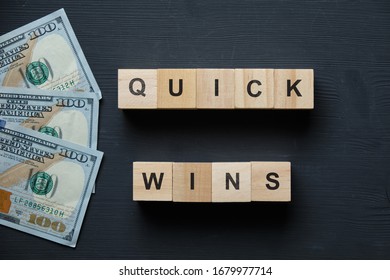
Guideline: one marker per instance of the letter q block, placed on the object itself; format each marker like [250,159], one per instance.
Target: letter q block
[137,88]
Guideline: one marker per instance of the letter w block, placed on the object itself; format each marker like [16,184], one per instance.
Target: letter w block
[152,181]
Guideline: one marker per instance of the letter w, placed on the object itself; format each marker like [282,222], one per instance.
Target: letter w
[153,178]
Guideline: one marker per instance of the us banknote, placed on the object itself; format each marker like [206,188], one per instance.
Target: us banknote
[45,183]
[66,115]
[45,54]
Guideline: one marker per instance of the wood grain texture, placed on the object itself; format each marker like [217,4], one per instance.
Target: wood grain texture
[339,151]
[152,181]
[144,86]
[271,181]
[183,97]
[254,88]
[192,182]
[215,88]
[231,182]
[294,88]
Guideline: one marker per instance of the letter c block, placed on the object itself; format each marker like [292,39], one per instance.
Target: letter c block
[254,88]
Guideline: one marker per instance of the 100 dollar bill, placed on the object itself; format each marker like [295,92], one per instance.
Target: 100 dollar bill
[45,183]
[45,54]
[65,115]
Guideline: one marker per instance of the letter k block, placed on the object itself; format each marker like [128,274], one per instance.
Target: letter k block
[294,88]
[152,181]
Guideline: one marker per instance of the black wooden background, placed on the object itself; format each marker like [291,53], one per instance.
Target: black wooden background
[340,151]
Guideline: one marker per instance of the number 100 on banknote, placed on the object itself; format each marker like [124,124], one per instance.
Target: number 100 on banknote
[45,54]
[45,183]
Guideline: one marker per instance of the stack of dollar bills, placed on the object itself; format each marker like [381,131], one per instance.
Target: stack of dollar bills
[49,108]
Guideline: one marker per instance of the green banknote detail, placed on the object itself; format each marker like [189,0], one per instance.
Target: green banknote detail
[45,54]
[45,183]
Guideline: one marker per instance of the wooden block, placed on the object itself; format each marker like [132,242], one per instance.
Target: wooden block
[231,182]
[152,181]
[192,182]
[176,88]
[294,88]
[271,181]
[254,88]
[215,88]
[137,89]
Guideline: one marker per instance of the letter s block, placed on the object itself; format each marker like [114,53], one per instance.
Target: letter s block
[294,88]
[152,181]
[271,181]
[137,88]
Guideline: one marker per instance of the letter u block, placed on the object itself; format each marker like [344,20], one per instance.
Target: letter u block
[231,182]
[176,88]
[137,88]
[152,181]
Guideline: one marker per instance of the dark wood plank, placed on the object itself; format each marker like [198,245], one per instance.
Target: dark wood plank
[340,151]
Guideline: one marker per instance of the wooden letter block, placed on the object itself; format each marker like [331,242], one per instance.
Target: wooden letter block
[231,182]
[294,88]
[215,88]
[271,181]
[137,88]
[254,88]
[152,181]
[176,88]
[192,182]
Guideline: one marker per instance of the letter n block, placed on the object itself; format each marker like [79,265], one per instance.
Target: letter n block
[176,88]
[271,181]
[254,88]
[152,181]
[215,88]
[294,88]
[137,89]
[192,182]
[231,182]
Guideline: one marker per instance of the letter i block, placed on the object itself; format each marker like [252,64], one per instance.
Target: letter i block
[231,182]
[176,88]
[192,182]
[215,88]
[271,181]
[254,88]
[137,89]
[294,88]
[152,181]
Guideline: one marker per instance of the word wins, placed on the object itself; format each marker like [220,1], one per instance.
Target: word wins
[212,182]
[215,88]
